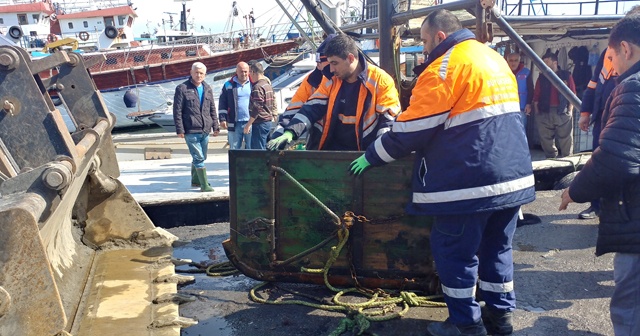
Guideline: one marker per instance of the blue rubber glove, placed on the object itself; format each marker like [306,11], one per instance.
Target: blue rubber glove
[359,166]
[280,142]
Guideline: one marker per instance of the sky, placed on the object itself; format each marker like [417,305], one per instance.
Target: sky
[212,14]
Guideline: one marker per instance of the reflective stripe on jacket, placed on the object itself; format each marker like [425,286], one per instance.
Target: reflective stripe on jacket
[378,105]
[464,125]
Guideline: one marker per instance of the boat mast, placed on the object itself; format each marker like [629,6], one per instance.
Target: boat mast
[183,15]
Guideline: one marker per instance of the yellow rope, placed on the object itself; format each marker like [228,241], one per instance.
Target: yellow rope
[362,313]
[222,269]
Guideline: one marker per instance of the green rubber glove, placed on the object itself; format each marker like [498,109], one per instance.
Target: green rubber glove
[359,166]
[280,142]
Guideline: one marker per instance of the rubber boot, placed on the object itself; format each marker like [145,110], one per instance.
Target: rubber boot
[194,178]
[202,177]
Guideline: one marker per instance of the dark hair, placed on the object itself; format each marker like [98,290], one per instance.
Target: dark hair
[625,30]
[550,55]
[341,46]
[256,67]
[442,20]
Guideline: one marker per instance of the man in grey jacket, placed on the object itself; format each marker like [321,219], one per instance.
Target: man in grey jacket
[194,113]
[613,176]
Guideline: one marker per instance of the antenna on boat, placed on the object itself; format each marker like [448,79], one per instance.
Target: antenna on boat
[183,15]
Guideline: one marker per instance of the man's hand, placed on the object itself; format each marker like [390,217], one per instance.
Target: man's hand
[247,129]
[359,166]
[223,124]
[566,199]
[583,122]
[181,135]
[280,142]
[215,133]
[527,109]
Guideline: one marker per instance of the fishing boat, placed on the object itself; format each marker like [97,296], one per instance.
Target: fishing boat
[117,63]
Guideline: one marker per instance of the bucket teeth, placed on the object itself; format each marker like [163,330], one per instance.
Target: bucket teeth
[176,278]
[182,322]
[175,298]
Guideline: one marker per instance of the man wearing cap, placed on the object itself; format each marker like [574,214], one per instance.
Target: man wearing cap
[308,86]
[349,123]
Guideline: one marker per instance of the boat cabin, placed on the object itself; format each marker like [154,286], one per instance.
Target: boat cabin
[99,29]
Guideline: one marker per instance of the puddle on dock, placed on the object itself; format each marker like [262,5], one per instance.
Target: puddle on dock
[213,326]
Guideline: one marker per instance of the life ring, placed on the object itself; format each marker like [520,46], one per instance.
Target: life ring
[111,32]
[83,35]
[52,37]
[53,17]
[15,32]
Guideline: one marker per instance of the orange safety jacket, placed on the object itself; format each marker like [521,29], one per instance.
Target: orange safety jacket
[465,126]
[377,107]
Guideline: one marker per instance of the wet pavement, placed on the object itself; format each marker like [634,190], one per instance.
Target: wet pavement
[561,287]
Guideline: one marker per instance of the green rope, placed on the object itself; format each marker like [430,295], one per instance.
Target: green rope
[375,309]
[222,269]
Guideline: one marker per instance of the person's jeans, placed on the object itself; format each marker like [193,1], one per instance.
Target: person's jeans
[625,301]
[198,144]
[259,133]
[236,137]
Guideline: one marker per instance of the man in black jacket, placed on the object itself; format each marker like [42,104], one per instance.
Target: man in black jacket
[194,113]
[613,175]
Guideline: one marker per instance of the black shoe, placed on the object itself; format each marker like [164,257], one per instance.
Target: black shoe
[497,323]
[528,219]
[447,328]
[588,213]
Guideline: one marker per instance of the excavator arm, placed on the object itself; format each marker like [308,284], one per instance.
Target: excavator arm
[78,255]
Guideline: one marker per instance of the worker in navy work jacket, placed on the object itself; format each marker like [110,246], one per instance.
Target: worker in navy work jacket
[472,172]
[612,175]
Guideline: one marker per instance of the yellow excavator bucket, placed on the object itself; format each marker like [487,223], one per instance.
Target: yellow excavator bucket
[77,253]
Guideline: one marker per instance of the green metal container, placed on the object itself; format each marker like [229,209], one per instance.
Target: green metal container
[277,228]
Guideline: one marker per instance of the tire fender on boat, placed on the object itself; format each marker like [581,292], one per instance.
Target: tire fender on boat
[15,32]
[111,32]
[83,35]
[52,37]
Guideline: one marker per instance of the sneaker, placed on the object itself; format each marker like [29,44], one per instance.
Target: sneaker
[447,328]
[588,213]
[497,323]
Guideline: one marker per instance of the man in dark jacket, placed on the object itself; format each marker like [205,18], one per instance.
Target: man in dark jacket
[234,107]
[194,113]
[613,175]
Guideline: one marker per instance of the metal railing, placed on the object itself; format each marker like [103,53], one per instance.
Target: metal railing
[548,7]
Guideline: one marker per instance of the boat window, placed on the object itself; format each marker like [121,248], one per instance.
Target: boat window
[111,60]
[35,17]
[108,20]
[22,19]
[85,24]
[121,19]
[138,58]
[190,52]
[1,21]
[70,25]
[165,55]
